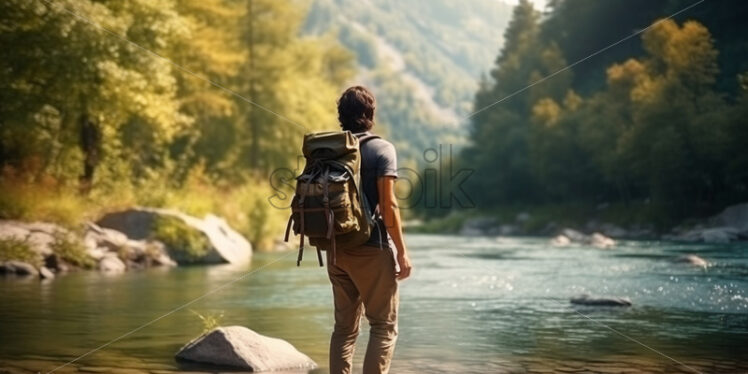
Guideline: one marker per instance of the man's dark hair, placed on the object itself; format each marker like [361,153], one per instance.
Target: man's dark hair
[356,109]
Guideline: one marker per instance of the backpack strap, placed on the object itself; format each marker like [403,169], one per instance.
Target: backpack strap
[364,137]
[328,214]
[300,208]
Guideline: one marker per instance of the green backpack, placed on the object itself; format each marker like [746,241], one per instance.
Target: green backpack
[329,205]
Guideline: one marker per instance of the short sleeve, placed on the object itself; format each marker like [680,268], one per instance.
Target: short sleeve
[387,161]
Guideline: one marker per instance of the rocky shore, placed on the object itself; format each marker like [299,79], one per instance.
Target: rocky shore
[131,239]
[728,226]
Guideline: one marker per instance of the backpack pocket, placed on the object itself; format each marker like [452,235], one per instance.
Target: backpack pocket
[317,218]
[344,221]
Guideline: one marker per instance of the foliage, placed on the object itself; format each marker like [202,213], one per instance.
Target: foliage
[46,200]
[210,321]
[185,242]
[71,250]
[13,248]
[421,58]
[92,123]
[656,135]
[450,223]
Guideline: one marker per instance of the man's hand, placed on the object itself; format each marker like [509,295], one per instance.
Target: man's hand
[405,267]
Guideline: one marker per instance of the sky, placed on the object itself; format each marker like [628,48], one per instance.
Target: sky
[539,4]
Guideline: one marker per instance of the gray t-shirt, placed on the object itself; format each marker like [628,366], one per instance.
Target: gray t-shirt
[378,159]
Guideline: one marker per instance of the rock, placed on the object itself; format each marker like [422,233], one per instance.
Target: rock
[13,229]
[601,241]
[477,226]
[733,216]
[600,301]
[18,268]
[97,237]
[163,259]
[692,260]
[158,255]
[227,245]
[560,241]
[569,236]
[38,235]
[574,235]
[242,348]
[724,234]
[508,230]
[110,263]
[54,262]
[719,235]
[232,246]
[45,273]
[41,242]
[7,269]
[97,253]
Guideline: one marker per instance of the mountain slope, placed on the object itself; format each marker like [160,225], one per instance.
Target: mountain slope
[422,59]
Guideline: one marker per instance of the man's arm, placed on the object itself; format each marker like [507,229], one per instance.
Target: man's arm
[391,215]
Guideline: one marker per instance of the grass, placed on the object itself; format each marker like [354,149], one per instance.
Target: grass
[16,249]
[210,321]
[187,243]
[244,205]
[71,250]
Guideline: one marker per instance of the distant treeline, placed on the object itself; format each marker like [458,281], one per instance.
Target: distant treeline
[660,119]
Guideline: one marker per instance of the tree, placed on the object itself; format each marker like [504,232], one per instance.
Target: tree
[501,127]
[75,96]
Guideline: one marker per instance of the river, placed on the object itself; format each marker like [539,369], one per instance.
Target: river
[473,305]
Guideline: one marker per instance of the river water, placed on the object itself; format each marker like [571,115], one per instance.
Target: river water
[473,305]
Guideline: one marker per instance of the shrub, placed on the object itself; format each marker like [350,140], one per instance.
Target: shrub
[17,249]
[71,250]
[209,320]
[187,243]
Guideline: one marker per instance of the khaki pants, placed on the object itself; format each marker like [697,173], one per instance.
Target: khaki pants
[363,280]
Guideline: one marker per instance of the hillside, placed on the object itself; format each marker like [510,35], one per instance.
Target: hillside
[423,59]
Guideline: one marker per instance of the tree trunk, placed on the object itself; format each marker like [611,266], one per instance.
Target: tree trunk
[90,143]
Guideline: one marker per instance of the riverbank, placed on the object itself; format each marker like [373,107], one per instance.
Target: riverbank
[132,239]
[633,223]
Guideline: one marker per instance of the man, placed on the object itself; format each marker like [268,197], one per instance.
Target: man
[364,279]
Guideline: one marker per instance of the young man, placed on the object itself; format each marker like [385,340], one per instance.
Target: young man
[364,279]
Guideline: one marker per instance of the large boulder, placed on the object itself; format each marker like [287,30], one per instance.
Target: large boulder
[225,244]
[241,348]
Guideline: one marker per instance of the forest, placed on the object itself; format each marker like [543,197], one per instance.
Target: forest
[192,104]
[92,118]
[652,129]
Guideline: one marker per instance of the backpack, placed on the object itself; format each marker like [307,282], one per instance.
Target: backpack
[329,205]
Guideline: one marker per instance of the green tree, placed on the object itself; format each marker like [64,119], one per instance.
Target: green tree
[75,97]
[501,128]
